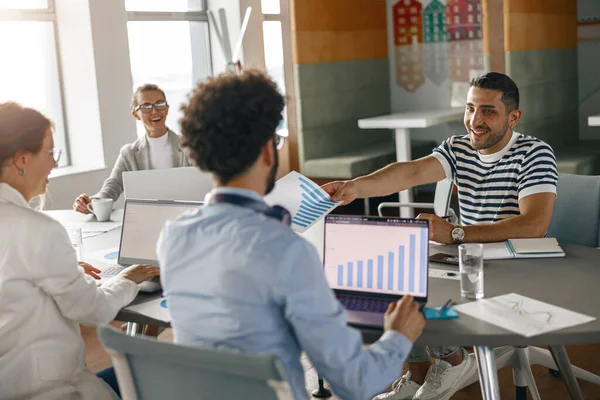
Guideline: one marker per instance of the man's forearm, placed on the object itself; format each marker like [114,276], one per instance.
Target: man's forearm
[521,226]
[390,179]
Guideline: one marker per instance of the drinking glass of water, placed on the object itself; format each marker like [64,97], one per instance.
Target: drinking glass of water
[470,259]
[76,238]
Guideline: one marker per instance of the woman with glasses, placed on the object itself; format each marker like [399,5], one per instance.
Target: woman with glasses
[159,148]
[44,295]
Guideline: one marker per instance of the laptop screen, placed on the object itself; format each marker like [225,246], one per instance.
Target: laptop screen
[377,255]
[143,221]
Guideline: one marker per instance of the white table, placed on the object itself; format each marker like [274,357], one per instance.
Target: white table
[594,120]
[402,123]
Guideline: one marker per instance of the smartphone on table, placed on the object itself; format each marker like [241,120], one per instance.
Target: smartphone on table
[444,258]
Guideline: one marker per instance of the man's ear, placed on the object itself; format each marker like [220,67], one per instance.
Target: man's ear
[268,153]
[514,118]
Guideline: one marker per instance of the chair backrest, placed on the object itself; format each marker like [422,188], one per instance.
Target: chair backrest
[440,205]
[576,217]
[443,195]
[148,369]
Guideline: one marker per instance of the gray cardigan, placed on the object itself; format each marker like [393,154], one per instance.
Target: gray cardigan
[136,157]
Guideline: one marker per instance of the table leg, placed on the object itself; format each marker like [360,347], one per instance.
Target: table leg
[403,153]
[561,358]
[134,329]
[488,374]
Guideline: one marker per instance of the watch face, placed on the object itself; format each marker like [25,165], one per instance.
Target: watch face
[458,234]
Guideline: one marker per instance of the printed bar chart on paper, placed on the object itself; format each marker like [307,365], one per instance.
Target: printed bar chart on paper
[303,198]
[385,259]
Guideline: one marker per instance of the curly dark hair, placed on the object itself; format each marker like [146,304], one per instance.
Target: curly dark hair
[228,120]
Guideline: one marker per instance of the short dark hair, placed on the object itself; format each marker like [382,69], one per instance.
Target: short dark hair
[228,120]
[146,87]
[501,82]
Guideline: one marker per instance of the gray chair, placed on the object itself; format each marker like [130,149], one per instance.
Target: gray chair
[576,218]
[440,205]
[148,369]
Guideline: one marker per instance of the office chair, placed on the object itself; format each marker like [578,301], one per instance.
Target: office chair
[152,370]
[440,205]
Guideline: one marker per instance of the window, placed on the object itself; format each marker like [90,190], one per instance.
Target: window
[163,5]
[270,7]
[24,5]
[29,73]
[168,46]
[273,50]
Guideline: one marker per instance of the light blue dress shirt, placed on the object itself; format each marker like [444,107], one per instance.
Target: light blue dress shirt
[236,279]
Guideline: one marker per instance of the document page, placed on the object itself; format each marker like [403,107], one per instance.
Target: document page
[522,315]
[304,199]
[156,309]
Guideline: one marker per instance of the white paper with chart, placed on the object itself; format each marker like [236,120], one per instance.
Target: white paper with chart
[304,199]
[522,315]
[156,309]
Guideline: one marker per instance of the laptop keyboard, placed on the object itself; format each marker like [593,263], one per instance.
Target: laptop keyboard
[361,303]
[111,271]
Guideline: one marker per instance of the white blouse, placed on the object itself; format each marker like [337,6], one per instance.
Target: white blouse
[44,295]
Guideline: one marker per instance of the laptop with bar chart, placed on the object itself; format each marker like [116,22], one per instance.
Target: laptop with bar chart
[370,262]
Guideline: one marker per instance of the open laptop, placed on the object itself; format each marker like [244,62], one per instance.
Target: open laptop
[185,184]
[370,262]
[143,220]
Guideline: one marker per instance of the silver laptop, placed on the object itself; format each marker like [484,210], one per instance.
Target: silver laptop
[143,220]
[185,184]
[370,262]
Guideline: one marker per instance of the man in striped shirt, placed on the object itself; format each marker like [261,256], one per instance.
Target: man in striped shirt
[506,189]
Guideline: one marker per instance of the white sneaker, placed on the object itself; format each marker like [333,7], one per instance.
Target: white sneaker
[402,389]
[443,379]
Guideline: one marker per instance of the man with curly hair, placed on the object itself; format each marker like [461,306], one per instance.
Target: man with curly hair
[236,278]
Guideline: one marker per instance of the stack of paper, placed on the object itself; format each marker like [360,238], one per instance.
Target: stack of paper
[522,315]
[156,309]
[523,248]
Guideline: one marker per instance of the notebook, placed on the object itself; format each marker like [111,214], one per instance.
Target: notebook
[370,262]
[523,248]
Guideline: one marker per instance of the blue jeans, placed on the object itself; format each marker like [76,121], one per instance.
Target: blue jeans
[108,376]
[424,353]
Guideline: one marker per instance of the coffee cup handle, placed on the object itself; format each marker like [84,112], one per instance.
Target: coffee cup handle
[89,207]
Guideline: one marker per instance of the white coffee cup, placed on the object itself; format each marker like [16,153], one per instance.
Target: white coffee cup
[101,208]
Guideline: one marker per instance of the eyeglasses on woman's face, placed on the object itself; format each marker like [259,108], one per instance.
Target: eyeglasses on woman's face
[146,108]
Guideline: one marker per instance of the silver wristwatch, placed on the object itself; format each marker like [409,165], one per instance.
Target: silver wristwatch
[458,234]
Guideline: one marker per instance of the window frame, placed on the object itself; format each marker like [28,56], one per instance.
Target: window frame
[179,16]
[189,16]
[47,15]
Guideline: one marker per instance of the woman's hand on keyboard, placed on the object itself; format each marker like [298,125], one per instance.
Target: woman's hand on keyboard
[140,273]
[89,270]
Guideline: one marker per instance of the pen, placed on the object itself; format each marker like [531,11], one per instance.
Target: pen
[445,306]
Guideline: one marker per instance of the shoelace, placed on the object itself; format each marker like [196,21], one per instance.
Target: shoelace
[399,384]
[434,376]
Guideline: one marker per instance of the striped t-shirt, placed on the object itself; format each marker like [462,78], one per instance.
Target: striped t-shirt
[490,186]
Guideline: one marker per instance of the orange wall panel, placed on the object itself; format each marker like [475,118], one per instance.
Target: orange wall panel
[527,31]
[338,30]
[330,46]
[562,7]
[339,15]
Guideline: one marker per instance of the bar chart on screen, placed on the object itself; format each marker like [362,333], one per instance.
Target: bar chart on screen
[376,258]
